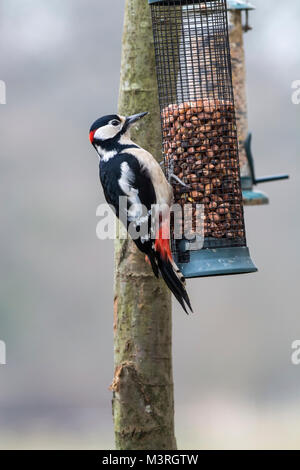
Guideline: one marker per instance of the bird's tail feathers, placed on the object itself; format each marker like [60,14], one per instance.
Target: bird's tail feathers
[170,271]
[174,283]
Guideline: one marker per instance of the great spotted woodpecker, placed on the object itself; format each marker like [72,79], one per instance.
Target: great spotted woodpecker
[126,170]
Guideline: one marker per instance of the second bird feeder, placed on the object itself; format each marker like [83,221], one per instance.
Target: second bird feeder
[251,196]
[199,132]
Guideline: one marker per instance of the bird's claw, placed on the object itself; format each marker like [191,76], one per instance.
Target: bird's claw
[178,180]
[171,176]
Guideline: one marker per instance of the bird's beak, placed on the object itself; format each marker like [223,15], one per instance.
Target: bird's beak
[130,120]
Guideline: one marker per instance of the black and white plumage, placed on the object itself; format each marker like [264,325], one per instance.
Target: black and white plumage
[127,171]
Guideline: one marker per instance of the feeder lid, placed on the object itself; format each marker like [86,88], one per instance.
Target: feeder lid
[239,5]
[231,4]
[172,2]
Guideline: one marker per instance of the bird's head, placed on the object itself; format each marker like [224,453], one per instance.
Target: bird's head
[108,129]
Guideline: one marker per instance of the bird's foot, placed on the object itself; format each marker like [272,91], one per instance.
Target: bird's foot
[178,180]
[171,176]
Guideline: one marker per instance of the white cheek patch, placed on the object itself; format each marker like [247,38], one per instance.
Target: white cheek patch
[106,132]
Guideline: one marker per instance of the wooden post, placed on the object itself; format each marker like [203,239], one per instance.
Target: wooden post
[236,38]
[143,401]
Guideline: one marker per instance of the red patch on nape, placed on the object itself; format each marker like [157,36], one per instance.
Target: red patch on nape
[92,136]
[162,244]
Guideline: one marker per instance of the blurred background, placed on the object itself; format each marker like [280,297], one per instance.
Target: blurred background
[235,385]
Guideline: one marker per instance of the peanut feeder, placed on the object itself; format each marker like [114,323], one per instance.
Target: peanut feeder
[200,141]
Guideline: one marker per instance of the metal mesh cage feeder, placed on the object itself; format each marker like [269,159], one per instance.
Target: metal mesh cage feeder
[237,29]
[199,132]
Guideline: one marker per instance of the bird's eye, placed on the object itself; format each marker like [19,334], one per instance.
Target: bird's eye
[115,122]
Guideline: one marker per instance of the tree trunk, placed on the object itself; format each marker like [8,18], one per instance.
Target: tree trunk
[143,402]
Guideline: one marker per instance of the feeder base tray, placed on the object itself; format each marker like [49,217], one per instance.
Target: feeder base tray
[217,262]
[254,198]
